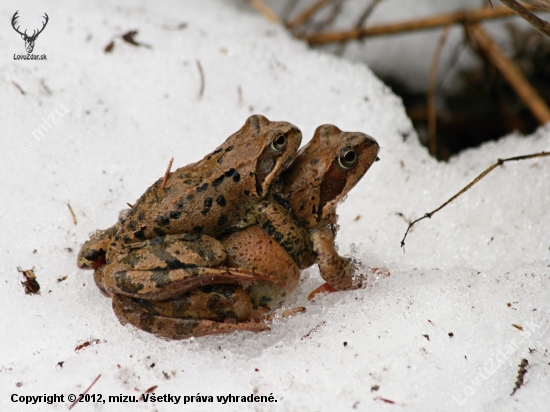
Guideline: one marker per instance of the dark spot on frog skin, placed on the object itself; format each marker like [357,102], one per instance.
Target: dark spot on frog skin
[314,210]
[208,202]
[132,224]
[175,214]
[236,176]
[190,197]
[264,301]
[251,174]
[141,216]
[247,192]
[139,234]
[218,181]
[124,282]
[198,229]
[181,202]
[230,148]
[230,172]
[202,188]
[222,220]
[220,200]
[117,237]
[127,239]
[214,152]
[93,255]
[160,277]
[159,231]
[314,161]
[205,211]
[162,220]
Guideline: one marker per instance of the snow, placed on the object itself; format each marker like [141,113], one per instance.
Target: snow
[123,115]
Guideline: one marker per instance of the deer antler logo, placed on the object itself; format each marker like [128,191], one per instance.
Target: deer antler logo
[29,40]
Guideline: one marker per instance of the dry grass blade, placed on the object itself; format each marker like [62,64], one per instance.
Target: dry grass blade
[523,12]
[72,214]
[307,14]
[499,162]
[85,392]
[511,73]
[431,22]
[201,73]
[165,179]
[265,10]
[432,117]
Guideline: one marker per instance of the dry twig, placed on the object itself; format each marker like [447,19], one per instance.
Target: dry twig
[265,10]
[307,14]
[165,179]
[511,73]
[524,13]
[360,23]
[432,120]
[431,22]
[499,162]
[539,4]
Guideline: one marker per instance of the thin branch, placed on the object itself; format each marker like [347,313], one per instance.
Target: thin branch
[307,14]
[288,9]
[265,10]
[523,12]
[431,22]
[499,162]
[360,23]
[539,4]
[511,73]
[432,117]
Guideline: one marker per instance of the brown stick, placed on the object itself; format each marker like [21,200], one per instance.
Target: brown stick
[511,73]
[264,9]
[536,22]
[411,25]
[499,162]
[306,14]
[432,117]
[165,179]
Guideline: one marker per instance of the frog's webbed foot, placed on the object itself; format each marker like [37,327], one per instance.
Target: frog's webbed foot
[165,267]
[129,310]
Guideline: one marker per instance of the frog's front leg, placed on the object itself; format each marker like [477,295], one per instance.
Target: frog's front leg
[140,314]
[335,270]
[92,253]
[165,267]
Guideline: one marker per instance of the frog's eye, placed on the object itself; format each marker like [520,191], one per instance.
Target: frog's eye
[278,142]
[347,158]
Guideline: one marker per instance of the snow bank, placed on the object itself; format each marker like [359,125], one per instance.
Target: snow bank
[472,271]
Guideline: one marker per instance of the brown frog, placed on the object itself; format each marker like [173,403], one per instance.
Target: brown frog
[165,244]
[321,175]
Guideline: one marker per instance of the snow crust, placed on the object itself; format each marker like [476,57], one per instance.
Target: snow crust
[474,270]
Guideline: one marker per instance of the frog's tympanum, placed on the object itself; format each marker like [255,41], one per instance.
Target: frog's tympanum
[224,277]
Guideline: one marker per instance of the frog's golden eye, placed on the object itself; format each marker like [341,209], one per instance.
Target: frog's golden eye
[347,158]
[278,142]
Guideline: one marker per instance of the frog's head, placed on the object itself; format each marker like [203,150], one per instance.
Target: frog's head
[263,149]
[325,170]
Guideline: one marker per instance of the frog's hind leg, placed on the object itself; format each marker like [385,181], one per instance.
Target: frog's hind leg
[165,267]
[129,310]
